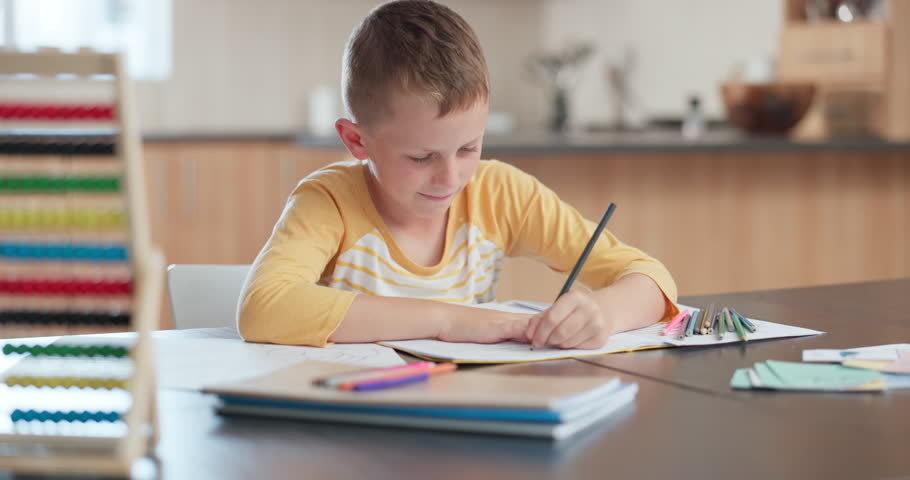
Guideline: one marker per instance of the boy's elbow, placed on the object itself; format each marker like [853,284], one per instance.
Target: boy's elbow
[261,322]
[248,327]
[253,321]
[292,314]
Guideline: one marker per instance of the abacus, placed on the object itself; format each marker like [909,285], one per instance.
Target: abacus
[75,258]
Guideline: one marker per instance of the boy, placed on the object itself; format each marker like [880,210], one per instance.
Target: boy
[386,247]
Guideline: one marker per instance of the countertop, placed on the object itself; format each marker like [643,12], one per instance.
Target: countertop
[644,142]
[540,142]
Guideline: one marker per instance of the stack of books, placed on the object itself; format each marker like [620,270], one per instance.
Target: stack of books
[469,401]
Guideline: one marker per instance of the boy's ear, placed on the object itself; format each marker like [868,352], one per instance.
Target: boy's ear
[351,136]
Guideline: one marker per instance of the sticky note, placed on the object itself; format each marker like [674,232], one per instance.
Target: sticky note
[821,377]
[740,379]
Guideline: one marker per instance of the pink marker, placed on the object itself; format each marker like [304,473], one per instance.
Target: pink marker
[673,323]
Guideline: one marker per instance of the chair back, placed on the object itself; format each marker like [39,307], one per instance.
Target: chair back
[204,296]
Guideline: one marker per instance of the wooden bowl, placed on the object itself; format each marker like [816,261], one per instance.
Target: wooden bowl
[768,108]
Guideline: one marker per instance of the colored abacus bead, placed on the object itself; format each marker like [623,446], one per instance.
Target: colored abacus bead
[62,318]
[19,415]
[67,350]
[18,218]
[57,144]
[66,286]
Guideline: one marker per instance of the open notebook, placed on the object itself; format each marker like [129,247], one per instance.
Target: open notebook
[553,407]
[641,339]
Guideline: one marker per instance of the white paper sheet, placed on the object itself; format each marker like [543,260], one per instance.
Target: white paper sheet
[215,355]
[192,363]
[648,337]
[877,352]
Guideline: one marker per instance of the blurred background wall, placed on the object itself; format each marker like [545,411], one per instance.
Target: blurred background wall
[249,67]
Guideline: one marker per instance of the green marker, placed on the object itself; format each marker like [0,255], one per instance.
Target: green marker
[739,329]
[722,324]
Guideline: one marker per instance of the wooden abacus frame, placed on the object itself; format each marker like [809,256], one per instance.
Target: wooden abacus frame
[147,265]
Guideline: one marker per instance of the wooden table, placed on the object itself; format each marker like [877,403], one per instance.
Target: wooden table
[686,422]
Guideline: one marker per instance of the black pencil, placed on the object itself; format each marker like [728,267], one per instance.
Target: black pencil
[586,252]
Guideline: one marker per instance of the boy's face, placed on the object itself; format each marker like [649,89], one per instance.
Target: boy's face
[419,161]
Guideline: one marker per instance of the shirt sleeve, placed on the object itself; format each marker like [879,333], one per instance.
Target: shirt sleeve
[281,301]
[547,229]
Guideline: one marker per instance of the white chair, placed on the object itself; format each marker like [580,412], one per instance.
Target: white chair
[203,296]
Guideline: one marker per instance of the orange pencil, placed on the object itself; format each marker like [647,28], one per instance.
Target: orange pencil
[397,379]
[334,381]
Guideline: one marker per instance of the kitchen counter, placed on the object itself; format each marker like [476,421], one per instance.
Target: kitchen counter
[726,213]
[646,141]
[540,142]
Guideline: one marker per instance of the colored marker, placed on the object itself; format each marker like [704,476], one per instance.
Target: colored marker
[383,383]
[739,329]
[690,330]
[334,381]
[673,323]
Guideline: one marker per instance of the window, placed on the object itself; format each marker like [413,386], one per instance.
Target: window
[141,28]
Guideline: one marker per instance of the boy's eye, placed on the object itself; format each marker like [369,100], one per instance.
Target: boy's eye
[430,155]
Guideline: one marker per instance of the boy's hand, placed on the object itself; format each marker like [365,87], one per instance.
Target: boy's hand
[575,320]
[487,326]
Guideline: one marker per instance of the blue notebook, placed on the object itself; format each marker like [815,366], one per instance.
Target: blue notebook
[473,401]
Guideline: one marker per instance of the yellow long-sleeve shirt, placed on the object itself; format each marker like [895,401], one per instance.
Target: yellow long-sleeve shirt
[331,244]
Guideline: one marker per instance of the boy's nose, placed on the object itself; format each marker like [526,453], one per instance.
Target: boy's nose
[447,174]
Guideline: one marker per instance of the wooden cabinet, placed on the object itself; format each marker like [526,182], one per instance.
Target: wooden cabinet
[861,70]
[721,221]
[851,55]
[738,220]
[216,202]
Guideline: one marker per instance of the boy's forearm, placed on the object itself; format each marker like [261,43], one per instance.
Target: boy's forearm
[372,318]
[633,301]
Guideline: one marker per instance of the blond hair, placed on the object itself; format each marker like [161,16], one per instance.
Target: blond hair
[414,47]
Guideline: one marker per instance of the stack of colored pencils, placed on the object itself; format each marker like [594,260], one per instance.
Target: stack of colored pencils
[710,321]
